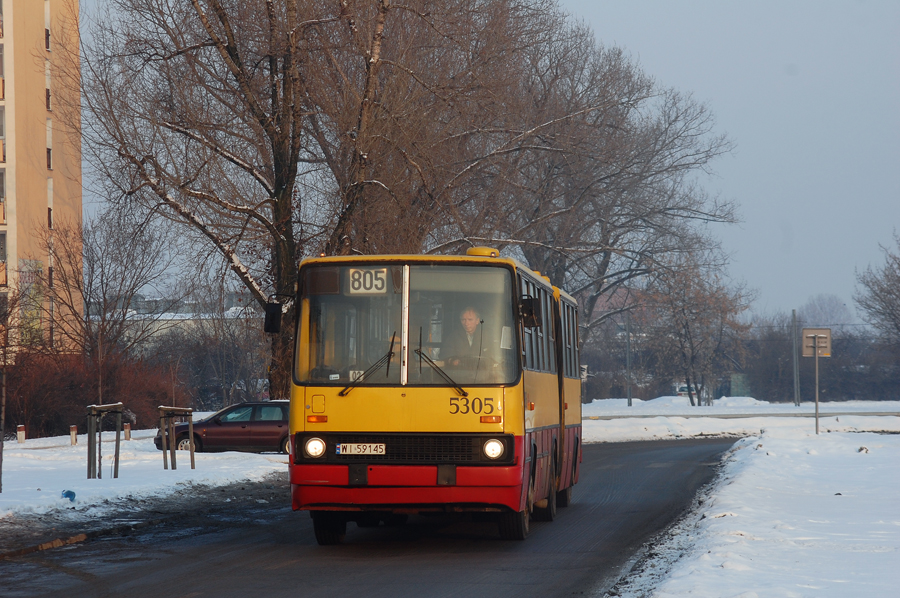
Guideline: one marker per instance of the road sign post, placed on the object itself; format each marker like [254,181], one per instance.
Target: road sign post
[817,343]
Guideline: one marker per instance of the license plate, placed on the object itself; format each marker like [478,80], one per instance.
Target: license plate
[360,448]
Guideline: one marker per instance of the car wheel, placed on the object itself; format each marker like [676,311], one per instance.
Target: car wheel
[286,445]
[183,443]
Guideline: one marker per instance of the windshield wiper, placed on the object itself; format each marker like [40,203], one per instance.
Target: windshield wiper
[442,373]
[384,358]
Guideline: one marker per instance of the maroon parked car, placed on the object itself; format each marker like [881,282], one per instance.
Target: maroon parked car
[250,427]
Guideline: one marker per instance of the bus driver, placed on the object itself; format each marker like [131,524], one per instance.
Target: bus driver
[469,342]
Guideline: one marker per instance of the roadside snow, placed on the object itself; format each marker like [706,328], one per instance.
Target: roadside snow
[791,514]
[37,472]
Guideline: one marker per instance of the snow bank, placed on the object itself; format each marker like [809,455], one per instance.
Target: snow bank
[794,514]
[37,472]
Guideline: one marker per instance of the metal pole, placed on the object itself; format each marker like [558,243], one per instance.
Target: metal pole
[796,358]
[628,356]
[816,349]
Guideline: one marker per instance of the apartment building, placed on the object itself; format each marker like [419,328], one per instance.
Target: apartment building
[40,157]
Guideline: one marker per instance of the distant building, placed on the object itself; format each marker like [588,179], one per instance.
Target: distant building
[40,159]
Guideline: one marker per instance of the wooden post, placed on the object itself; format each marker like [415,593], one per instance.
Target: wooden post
[92,446]
[118,438]
[167,432]
[172,442]
[20,434]
[191,436]
[163,433]
[95,438]
[99,469]
[127,431]
[73,435]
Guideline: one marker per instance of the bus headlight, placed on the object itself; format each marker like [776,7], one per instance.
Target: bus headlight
[315,447]
[493,449]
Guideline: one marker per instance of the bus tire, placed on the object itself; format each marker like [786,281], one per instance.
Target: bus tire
[330,528]
[514,525]
[564,497]
[548,511]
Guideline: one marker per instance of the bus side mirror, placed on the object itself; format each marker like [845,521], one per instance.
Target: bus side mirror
[530,310]
[273,318]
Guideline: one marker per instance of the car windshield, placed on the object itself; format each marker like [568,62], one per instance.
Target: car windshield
[459,325]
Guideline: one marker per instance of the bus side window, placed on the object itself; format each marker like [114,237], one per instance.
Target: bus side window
[527,345]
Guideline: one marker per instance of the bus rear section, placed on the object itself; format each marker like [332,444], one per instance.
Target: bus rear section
[410,395]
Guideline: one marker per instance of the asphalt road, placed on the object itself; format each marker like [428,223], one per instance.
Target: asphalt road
[247,542]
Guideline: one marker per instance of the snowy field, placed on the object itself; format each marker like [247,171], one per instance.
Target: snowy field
[792,513]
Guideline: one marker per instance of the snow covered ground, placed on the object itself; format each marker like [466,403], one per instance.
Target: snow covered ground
[38,472]
[792,513]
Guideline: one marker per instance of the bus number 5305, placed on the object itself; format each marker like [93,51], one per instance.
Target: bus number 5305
[475,405]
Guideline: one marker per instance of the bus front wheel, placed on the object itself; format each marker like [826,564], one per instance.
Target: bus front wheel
[514,525]
[330,528]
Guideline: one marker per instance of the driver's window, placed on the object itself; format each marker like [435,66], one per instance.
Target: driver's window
[241,414]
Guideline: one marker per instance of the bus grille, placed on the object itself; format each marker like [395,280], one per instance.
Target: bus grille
[413,448]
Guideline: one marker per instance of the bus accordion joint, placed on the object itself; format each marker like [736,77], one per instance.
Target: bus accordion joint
[317,419]
[491,419]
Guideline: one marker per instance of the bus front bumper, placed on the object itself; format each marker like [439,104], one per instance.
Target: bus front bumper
[405,487]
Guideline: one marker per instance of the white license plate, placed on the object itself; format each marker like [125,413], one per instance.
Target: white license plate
[360,448]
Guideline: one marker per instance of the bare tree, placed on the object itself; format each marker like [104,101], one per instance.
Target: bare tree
[698,324]
[9,305]
[826,310]
[99,271]
[879,295]
[278,129]
[603,193]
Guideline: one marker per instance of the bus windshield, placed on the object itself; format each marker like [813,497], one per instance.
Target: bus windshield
[459,325]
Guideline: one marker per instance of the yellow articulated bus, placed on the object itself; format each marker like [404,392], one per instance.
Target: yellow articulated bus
[432,383]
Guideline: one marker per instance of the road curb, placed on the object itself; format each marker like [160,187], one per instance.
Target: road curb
[78,538]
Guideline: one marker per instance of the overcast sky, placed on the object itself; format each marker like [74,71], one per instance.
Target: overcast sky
[810,93]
